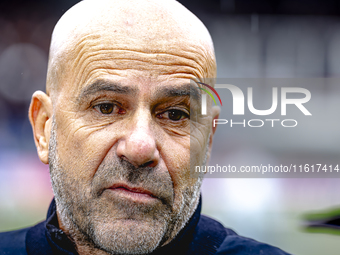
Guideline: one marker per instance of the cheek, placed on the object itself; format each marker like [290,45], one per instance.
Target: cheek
[199,142]
[182,154]
[176,157]
[81,149]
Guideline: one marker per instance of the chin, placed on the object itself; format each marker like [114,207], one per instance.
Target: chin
[129,236]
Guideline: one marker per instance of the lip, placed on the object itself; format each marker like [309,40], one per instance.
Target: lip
[134,193]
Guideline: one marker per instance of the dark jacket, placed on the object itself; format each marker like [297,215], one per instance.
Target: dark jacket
[201,236]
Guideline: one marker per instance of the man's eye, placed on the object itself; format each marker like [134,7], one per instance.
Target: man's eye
[109,108]
[174,115]
[106,108]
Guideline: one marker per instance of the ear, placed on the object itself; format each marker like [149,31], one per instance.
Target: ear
[215,113]
[40,113]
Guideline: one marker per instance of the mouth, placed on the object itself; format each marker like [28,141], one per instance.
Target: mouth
[136,194]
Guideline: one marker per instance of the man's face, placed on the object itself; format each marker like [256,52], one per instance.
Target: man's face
[120,145]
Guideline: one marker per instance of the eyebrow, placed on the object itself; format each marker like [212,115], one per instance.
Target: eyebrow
[104,85]
[188,90]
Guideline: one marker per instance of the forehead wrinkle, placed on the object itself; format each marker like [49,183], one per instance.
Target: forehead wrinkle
[94,43]
[185,72]
[171,62]
[93,40]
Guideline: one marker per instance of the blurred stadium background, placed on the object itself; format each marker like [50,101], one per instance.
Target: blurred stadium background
[253,39]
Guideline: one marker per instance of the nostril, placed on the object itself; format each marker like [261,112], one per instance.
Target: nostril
[149,163]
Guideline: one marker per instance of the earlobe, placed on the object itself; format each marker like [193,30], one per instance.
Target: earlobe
[40,113]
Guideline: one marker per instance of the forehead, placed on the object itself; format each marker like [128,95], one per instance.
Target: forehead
[99,56]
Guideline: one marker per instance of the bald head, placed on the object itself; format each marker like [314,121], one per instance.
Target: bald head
[139,34]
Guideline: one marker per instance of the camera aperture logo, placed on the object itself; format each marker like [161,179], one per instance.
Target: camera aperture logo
[204,97]
[239,105]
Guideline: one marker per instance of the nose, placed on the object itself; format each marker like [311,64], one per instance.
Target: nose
[139,146]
